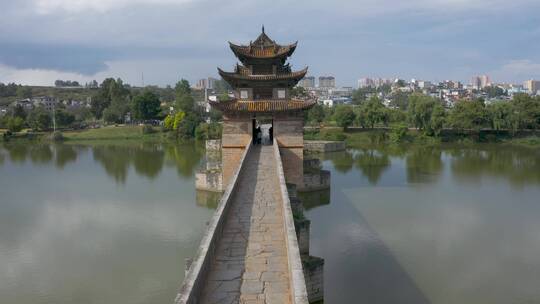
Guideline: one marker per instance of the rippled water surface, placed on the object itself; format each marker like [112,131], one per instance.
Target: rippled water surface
[97,223]
[430,225]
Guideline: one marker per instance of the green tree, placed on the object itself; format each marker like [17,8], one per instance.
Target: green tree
[24,92]
[18,111]
[399,133]
[112,115]
[113,94]
[64,118]
[184,100]
[526,111]
[344,116]
[360,95]
[438,120]
[315,115]
[501,115]
[400,100]
[146,105]
[372,112]
[186,127]
[208,131]
[15,124]
[494,91]
[39,119]
[468,115]
[420,109]
[215,115]
[178,117]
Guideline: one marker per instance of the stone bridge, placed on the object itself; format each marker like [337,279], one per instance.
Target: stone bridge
[250,252]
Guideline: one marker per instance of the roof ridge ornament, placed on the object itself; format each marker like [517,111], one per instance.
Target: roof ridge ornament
[263,28]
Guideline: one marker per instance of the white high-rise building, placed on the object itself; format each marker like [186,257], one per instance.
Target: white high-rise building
[532,86]
[327,82]
[365,83]
[307,82]
[480,82]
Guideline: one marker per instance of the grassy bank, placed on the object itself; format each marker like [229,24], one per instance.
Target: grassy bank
[367,137]
[104,133]
[112,133]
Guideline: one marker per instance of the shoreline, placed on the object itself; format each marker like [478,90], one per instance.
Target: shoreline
[353,137]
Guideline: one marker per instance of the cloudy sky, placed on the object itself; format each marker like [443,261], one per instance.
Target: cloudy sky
[44,40]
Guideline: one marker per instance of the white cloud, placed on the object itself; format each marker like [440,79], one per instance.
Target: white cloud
[518,69]
[50,6]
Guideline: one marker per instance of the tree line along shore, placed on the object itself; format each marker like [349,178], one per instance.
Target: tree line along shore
[118,111]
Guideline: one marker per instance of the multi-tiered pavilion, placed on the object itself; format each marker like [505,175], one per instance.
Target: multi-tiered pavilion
[262,86]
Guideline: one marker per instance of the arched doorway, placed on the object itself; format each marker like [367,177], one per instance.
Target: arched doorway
[263,130]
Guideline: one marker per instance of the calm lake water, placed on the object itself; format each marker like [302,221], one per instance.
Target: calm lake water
[97,224]
[108,223]
[423,225]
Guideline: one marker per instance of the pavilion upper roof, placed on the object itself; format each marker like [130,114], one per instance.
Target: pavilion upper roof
[262,48]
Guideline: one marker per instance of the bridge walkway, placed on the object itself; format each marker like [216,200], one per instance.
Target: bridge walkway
[250,264]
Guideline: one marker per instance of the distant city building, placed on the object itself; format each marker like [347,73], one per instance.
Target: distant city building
[202,84]
[365,83]
[424,84]
[532,86]
[373,82]
[480,82]
[47,102]
[307,82]
[327,82]
[206,83]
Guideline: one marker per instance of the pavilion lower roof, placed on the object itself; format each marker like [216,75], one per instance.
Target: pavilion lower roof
[263,106]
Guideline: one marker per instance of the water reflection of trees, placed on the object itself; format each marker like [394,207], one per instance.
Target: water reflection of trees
[64,154]
[115,160]
[17,152]
[424,164]
[521,166]
[147,159]
[185,158]
[40,154]
[342,161]
[372,164]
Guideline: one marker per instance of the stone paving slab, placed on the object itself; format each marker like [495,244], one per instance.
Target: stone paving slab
[250,264]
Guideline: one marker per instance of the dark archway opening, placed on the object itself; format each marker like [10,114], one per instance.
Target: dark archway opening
[263,131]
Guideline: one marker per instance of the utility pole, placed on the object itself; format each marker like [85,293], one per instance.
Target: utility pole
[54,118]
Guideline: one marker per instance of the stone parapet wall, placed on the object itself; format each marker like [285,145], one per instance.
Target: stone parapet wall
[213,145]
[192,287]
[231,158]
[314,181]
[314,275]
[296,272]
[293,165]
[209,181]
